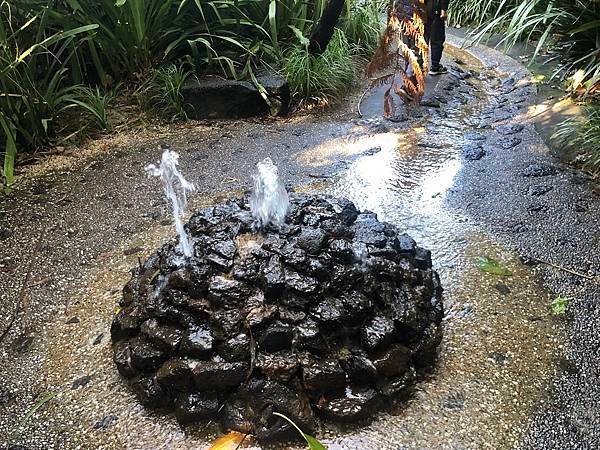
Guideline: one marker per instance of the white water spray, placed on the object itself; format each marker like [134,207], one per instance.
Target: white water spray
[176,189]
[269,202]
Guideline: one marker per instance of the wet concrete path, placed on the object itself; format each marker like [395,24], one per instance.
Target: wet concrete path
[452,178]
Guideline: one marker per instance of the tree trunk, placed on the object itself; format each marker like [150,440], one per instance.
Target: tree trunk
[323,32]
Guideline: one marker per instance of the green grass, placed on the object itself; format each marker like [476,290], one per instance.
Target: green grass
[582,135]
[321,76]
[163,92]
[363,24]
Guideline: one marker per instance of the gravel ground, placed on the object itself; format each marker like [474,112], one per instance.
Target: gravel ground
[78,222]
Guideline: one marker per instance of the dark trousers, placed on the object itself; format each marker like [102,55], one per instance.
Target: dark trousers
[435,35]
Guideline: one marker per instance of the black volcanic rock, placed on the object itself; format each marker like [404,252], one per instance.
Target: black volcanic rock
[328,317]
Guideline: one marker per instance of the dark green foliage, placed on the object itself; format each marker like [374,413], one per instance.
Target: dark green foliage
[325,75]
[583,135]
[572,26]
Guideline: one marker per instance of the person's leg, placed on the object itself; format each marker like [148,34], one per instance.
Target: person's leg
[437,37]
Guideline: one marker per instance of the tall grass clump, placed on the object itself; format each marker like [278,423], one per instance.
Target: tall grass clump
[572,26]
[363,24]
[163,91]
[474,12]
[95,102]
[582,134]
[326,75]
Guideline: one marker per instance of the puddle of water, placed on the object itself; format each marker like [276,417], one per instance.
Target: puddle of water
[499,344]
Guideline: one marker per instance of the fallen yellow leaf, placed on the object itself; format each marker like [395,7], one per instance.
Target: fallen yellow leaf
[231,441]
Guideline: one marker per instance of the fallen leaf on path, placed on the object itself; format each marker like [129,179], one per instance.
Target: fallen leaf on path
[231,441]
[491,266]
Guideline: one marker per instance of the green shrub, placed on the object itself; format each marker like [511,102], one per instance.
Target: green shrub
[573,26]
[95,103]
[363,24]
[583,135]
[163,92]
[326,75]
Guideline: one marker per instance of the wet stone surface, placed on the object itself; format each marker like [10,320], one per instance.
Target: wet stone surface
[328,317]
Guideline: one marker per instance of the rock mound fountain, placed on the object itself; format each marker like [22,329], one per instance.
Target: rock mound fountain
[323,312]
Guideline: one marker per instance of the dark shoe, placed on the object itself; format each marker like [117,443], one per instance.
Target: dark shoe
[437,70]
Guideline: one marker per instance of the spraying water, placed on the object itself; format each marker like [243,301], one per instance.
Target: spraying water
[176,189]
[269,202]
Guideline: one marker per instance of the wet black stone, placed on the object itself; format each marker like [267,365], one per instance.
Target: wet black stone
[197,341]
[175,374]
[406,245]
[98,339]
[236,348]
[273,275]
[473,152]
[360,369]
[194,406]
[300,283]
[277,336]
[164,336]
[209,375]
[73,320]
[122,358]
[539,189]
[105,422]
[538,170]
[354,405]
[312,240]
[323,376]
[499,358]
[151,393]
[307,336]
[423,258]
[392,361]
[279,366]
[377,332]
[145,356]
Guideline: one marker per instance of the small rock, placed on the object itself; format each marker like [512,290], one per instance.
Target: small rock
[379,331]
[473,152]
[355,405]
[197,341]
[5,233]
[392,361]
[510,142]
[323,376]
[360,369]
[312,240]
[176,374]
[98,339]
[502,288]
[510,128]
[81,381]
[538,170]
[539,190]
[475,136]
[277,336]
[209,375]
[499,358]
[145,356]
[105,422]
[6,395]
[455,400]
[133,250]
[165,336]
[191,407]
[73,320]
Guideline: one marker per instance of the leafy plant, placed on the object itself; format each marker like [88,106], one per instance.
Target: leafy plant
[325,75]
[491,266]
[573,26]
[164,91]
[363,25]
[559,305]
[33,74]
[95,102]
[313,444]
[583,134]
